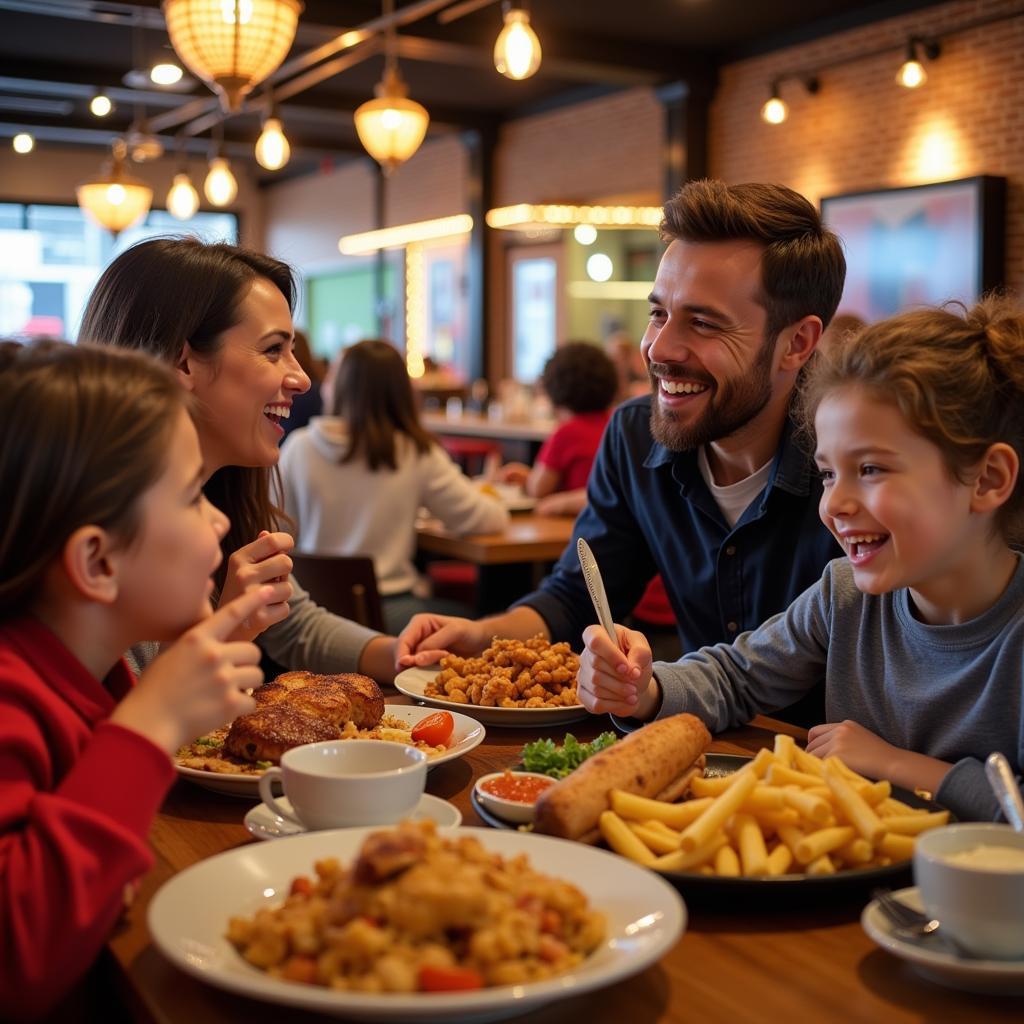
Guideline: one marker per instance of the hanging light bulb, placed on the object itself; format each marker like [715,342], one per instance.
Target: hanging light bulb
[391,126]
[23,143]
[517,48]
[272,149]
[775,110]
[220,186]
[182,199]
[100,105]
[115,200]
[911,74]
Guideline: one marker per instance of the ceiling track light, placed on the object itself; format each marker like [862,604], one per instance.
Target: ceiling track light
[912,74]
[775,109]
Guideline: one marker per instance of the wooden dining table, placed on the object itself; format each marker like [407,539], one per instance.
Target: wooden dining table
[527,538]
[737,961]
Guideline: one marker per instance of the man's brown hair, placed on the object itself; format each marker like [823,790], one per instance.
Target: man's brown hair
[802,267]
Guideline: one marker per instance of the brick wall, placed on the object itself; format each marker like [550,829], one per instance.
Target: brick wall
[862,131]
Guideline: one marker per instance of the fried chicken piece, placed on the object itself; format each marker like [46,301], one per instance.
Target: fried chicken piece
[269,693]
[295,680]
[366,697]
[265,734]
[385,854]
[326,701]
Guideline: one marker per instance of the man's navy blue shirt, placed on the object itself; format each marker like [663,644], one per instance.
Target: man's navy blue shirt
[649,511]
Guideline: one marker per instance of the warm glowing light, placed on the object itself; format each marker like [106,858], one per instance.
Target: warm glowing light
[599,267]
[23,143]
[415,310]
[391,126]
[165,74]
[517,48]
[405,234]
[272,149]
[220,185]
[182,199]
[774,111]
[525,215]
[100,105]
[115,200]
[610,290]
[232,45]
[585,234]
[911,74]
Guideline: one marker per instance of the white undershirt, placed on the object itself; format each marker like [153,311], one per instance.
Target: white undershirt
[733,499]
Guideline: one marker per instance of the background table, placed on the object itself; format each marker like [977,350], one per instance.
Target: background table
[735,963]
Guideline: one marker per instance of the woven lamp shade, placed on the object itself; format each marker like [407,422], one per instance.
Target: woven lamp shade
[232,45]
[115,200]
[391,126]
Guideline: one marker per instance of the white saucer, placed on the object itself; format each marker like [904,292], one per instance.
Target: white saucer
[263,823]
[998,977]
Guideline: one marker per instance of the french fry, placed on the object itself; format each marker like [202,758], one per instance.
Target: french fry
[712,787]
[783,749]
[772,821]
[822,866]
[654,839]
[873,793]
[791,836]
[807,805]
[780,775]
[856,853]
[753,853]
[861,816]
[913,824]
[727,862]
[639,808]
[893,806]
[779,860]
[824,841]
[806,763]
[619,837]
[684,861]
[765,798]
[714,818]
[897,847]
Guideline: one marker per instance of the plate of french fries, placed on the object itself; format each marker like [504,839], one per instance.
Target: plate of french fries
[782,818]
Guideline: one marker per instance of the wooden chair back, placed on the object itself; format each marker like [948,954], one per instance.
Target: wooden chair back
[343,584]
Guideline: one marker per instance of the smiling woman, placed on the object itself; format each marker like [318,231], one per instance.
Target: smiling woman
[221,316]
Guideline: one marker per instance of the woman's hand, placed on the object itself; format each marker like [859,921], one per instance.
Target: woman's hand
[619,679]
[428,637]
[199,683]
[264,561]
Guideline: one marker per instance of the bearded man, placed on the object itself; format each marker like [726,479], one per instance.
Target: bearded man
[701,481]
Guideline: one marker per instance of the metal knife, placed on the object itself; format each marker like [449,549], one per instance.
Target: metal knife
[595,585]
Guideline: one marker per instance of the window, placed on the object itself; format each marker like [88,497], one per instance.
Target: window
[51,256]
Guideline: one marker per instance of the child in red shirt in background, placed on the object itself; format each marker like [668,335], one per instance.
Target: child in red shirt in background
[582,383]
[107,541]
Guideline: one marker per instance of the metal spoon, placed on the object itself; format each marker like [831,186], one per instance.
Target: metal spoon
[1004,785]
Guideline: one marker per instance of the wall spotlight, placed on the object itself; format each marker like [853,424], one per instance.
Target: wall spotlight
[912,74]
[776,110]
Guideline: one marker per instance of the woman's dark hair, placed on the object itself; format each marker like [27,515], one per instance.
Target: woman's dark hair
[580,377]
[164,292]
[373,394]
[85,432]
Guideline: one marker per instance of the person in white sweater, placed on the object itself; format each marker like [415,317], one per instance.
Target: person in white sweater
[354,481]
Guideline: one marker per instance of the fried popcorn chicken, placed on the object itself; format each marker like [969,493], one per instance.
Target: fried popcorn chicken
[510,674]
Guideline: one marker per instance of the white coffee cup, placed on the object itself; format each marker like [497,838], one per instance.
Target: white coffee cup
[344,783]
[980,907]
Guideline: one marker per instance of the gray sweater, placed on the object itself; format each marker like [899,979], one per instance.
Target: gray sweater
[950,692]
[311,639]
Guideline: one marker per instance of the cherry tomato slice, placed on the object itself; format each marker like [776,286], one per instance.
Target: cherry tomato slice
[448,979]
[435,729]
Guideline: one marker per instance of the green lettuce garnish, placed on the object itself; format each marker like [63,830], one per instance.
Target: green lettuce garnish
[548,758]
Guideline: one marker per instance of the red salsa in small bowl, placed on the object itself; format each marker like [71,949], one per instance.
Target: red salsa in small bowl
[512,795]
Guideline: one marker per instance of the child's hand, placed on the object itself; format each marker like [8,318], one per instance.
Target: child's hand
[513,473]
[199,682]
[616,680]
[264,561]
[855,746]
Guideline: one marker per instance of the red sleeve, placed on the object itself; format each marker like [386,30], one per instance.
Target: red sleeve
[554,451]
[67,855]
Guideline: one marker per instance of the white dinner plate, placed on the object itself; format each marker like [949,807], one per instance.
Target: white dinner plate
[263,823]
[189,915]
[935,962]
[413,683]
[514,498]
[467,734]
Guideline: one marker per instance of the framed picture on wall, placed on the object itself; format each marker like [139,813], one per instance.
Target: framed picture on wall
[922,245]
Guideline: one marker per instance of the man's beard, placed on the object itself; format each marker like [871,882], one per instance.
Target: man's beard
[730,407]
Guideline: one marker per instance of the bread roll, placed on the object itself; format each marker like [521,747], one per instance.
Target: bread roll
[644,763]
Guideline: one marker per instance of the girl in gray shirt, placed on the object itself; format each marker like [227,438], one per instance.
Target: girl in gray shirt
[918,632]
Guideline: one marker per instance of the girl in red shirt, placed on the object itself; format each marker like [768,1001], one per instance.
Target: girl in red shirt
[107,541]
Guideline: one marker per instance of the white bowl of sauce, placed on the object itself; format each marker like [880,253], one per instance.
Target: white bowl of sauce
[512,795]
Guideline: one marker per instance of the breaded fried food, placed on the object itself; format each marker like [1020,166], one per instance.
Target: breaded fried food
[265,734]
[326,700]
[644,763]
[366,697]
[269,693]
[295,680]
